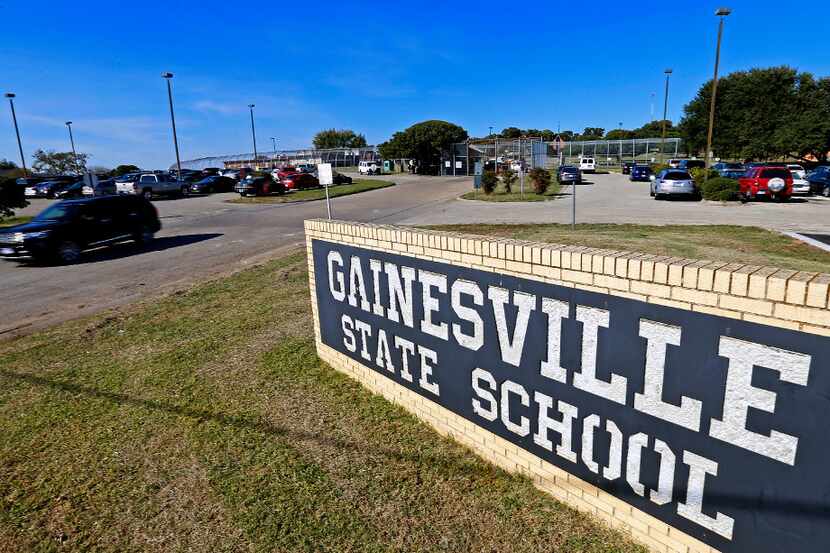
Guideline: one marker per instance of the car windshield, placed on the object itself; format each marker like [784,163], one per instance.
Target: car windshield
[569,169]
[56,212]
[678,175]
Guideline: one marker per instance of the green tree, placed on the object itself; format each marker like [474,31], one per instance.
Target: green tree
[509,178]
[548,135]
[654,129]
[511,132]
[423,142]
[124,169]
[763,113]
[592,133]
[338,138]
[619,134]
[6,165]
[58,163]
[11,197]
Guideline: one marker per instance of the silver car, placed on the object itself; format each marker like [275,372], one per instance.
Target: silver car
[673,182]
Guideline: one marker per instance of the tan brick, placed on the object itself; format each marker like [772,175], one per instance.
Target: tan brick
[759,307]
[661,269]
[717,311]
[691,272]
[812,329]
[817,291]
[650,289]
[809,315]
[740,280]
[611,282]
[676,271]
[770,321]
[577,276]
[647,268]
[671,303]
[757,287]
[777,284]
[706,275]
[723,277]
[694,296]
[797,287]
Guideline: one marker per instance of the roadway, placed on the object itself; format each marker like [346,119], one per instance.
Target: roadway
[204,237]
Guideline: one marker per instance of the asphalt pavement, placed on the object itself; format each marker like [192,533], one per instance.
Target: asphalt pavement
[204,237]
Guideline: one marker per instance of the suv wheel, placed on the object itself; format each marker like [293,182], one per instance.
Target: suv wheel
[147,194]
[68,252]
[184,191]
[144,236]
[826,191]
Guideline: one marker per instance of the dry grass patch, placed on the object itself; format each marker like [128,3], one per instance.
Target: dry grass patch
[205,422]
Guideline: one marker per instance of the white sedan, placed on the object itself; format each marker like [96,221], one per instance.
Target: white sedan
[801,186]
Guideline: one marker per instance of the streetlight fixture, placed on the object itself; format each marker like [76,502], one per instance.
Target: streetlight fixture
[722,13]
[668,73]
[274,145]
[72,142]
[11,96]
[253,131]
[168,77]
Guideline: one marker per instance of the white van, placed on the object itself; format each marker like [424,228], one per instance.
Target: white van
[587,164]
[369,167]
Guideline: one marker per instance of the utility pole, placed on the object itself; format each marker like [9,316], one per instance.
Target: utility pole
[253,132]
[168,77]
[722,13]
[72,142]
[10,96]
[274,159]
[668,73]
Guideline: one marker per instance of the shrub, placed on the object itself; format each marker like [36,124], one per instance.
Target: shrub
[698,174]
[508,178]
[489,181]
[540,179]
[721,189]
[657,167]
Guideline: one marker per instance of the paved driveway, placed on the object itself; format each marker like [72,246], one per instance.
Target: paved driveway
[614,199]
[201,237]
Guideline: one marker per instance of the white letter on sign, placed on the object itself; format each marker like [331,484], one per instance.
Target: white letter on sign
[692,509]
[475,340]
[651,400]
[741,395]
[586,379]
[357,285]
[511,350]
[556,311]
[509,387]
[339,292]
[489,413]
[563,427]
[430,280]
[400,294]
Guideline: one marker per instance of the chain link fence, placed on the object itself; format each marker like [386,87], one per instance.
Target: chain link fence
[468,158]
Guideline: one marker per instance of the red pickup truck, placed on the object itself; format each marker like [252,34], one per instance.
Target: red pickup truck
[771,182]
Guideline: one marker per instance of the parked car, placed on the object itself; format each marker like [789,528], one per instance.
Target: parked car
[125,184]
[306,168]
[775,183]
[797,169]
[340,178]
[300,181]
[259,185]
[104,187]
[369,167]
[64,230]
[209,185]
[49,188]
[673,182]
[569,174]
[819,181]
[729,170]
[640,173]
[674,163]
[627,166]
[231,174]
[587,164]
[157,184]
[801,186]
[689,164]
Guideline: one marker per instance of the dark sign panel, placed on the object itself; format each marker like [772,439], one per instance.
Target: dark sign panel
[713,425]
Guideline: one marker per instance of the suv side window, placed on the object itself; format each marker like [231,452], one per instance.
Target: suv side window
[148,179]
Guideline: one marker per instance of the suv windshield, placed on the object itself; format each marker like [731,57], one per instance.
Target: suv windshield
[56,212]
[677,175]
[776,174]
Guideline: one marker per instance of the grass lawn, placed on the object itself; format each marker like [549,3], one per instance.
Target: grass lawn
[500,195]
[735,244]
[358,186]
[11,221]
[205,422]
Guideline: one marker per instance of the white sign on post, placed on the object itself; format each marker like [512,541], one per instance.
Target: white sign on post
[325,174]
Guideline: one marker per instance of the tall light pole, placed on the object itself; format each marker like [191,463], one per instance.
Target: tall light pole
[274,145]
[652,106]
[722,13]
[168,77]
[10,96]
[253,131]
[668,73]
[72,142]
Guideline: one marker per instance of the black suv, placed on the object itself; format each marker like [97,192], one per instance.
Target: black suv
[65,229]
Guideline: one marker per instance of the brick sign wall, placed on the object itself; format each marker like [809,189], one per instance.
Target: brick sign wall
[682,401]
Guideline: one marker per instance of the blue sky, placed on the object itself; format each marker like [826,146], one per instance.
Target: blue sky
[375,67]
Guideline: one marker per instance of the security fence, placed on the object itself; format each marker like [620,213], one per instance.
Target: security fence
[338,157]
[468,158]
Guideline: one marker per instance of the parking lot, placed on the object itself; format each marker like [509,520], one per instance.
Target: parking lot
[612,198]
[206,236]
